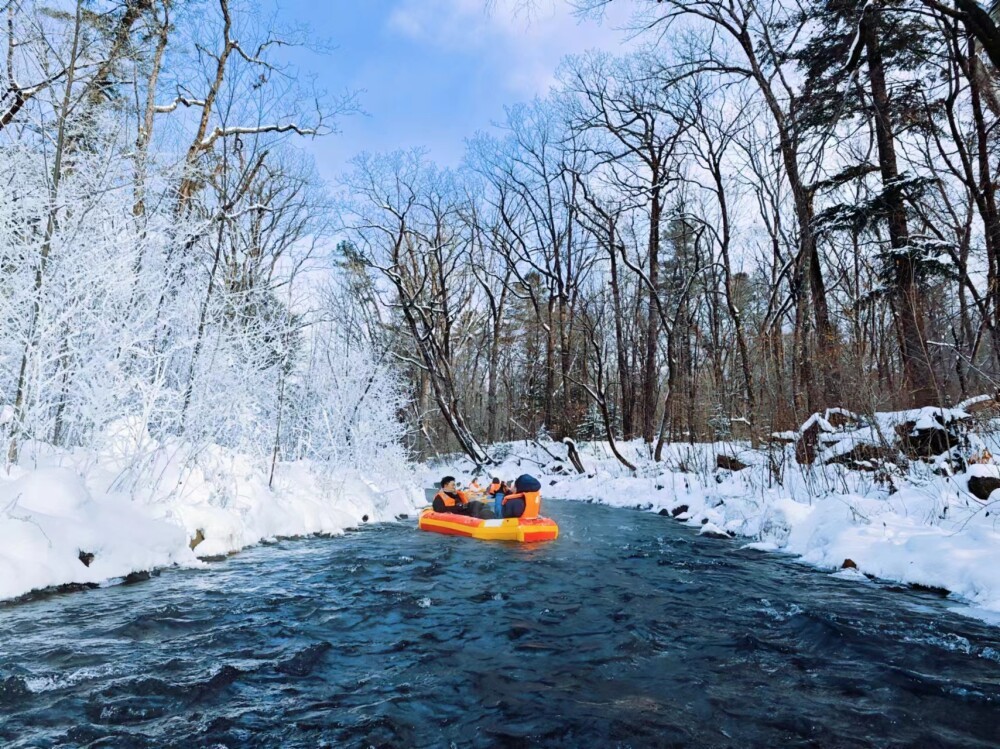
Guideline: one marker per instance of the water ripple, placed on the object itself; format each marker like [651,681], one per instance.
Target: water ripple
[629,631]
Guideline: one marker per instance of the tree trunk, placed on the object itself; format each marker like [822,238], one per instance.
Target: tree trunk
[809,265]
[493,371]
[625,383]
[917,373]
[20,397]
[986,200]
[200,335]
[277,427]
[550,367]
[649,370]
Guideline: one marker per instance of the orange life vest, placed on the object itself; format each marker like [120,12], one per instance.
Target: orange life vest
[449,501]
[494,488]
[532,503]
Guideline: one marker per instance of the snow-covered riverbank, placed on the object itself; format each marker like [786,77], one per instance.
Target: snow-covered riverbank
[89,517]
[922,527]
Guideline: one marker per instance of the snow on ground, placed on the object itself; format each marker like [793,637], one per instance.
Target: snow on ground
[927,530]
[136,504]
[142,513]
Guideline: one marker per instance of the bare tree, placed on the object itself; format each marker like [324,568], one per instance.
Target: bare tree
[405,223]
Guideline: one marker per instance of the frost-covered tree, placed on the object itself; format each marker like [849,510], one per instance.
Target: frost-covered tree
[164,243]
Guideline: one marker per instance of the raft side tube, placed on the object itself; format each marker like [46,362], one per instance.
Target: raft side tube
[522,530]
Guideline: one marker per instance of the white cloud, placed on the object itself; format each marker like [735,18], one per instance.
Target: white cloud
[443,23]
[524,45]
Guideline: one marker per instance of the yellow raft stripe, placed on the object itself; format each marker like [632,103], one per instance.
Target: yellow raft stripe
[454,526]
[495,533]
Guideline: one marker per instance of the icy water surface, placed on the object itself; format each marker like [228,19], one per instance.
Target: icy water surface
[628,631]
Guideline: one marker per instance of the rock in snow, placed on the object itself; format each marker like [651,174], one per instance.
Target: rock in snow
[713,531]
[197,538]
[727,463]
[983,486]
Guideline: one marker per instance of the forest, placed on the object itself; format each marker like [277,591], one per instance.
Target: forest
[162,236]
[751,214]
[760,211]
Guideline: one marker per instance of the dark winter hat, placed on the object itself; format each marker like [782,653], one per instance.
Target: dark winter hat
[527,483]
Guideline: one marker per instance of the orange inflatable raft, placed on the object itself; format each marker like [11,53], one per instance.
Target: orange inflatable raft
[523,530]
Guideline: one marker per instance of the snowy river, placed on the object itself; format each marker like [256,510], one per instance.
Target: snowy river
[629,631]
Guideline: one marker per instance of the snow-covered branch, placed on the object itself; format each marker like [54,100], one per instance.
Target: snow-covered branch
[226,132]
[180,100]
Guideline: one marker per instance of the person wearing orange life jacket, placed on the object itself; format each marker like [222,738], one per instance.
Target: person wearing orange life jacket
[526,499]
[495,492]
[451,500]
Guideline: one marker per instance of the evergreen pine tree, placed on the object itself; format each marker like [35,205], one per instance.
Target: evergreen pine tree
[865,62]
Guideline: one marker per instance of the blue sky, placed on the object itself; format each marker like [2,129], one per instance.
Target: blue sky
[433,72]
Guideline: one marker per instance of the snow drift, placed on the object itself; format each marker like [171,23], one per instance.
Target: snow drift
[86,517]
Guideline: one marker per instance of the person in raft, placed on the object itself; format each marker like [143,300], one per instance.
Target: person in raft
[451,499]
[495,491]
[526,499]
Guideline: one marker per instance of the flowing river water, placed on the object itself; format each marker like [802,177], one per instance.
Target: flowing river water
[628,631]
